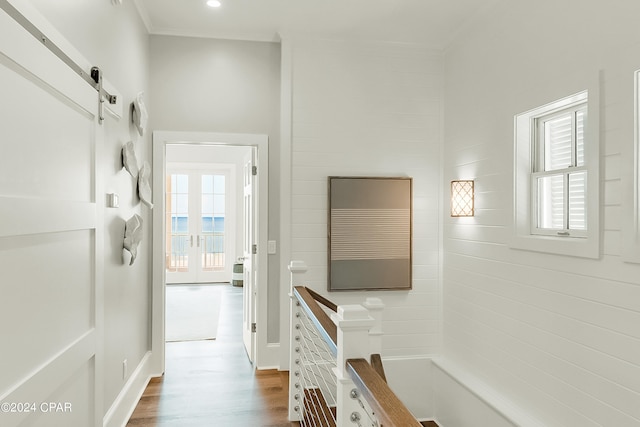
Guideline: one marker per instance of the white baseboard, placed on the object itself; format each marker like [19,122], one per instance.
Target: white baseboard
[270,358]
[120,411]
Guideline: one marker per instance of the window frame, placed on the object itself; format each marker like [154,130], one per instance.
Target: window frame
[538,169]
[525,233]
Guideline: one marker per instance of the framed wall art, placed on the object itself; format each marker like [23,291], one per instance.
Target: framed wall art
[369,230]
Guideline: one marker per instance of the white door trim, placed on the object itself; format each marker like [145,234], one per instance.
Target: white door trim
[160,141]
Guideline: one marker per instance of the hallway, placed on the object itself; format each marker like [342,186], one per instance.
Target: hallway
[212,383]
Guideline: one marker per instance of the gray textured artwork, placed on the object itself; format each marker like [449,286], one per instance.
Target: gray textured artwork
[133,236]
[370,233]
[129,160]
[144,187]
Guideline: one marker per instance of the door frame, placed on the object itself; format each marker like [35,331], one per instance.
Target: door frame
[160,141]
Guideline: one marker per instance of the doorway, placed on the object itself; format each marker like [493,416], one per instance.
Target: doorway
[201,213]
[172,230]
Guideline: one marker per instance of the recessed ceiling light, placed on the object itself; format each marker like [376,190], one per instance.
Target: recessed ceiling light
[214,3]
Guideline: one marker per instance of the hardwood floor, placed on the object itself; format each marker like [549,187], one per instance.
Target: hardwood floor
[212,383]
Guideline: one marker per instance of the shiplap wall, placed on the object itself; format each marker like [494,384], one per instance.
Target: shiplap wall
[557,336]
[368,109]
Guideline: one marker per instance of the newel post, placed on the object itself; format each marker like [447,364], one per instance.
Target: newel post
[297,271]
[375,307]
[353,323]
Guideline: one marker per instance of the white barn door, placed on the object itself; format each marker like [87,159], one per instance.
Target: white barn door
[50,238]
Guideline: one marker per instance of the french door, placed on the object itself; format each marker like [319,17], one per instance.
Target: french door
[197,226]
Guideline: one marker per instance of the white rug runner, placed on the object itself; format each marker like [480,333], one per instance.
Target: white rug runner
[192,312]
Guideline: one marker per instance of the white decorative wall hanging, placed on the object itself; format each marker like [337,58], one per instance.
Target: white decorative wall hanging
[139,114]
[144,187]
[129,160]
[133,236]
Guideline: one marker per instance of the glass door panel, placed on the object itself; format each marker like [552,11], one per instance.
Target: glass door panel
[177,224]
[198,217]
[213,222]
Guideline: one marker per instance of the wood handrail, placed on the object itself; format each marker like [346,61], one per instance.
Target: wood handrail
[323,322]
[390,411]
[322,300]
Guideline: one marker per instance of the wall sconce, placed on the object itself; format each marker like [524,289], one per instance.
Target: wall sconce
[462,198]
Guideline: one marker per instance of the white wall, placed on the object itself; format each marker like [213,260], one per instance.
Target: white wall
[369,109]
[558,336]
[412,380]
[223,86]
[115,39]
[459,401]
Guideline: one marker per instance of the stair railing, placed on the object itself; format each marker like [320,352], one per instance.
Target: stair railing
[381,403]
[313,386]
[331,381]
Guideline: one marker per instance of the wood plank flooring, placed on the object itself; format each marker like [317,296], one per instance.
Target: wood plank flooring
[212,383]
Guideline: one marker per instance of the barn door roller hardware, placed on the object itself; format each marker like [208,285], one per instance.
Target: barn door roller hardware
[94,78]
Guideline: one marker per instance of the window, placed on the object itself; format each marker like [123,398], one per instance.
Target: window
[559,173]
[556,178]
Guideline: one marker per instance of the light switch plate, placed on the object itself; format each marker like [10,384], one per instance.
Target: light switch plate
[271,247]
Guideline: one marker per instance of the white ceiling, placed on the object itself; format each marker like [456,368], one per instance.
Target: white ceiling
[432,23]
